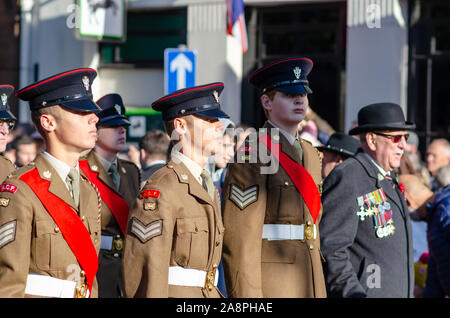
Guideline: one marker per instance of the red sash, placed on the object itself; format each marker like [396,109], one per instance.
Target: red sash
[118,206]
[300,176]
[70,224]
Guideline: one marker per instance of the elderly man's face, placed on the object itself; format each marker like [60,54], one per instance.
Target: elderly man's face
[388,146]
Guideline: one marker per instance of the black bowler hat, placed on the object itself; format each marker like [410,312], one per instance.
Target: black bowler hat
[71,89]
[5,111]
[113,111]
[200,100]
[381,116]
[342,144]
[288,76]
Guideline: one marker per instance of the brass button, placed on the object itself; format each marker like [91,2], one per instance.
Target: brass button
[214,266]
[196,229]
[308,223]
[311,247]
[57,229]
[116,254]
[82,273]
[169,166]
[286,183]
[210,288]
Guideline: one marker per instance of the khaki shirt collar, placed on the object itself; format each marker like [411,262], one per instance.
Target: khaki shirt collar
[193,167]
[105,163]
[61,167]
[288,136]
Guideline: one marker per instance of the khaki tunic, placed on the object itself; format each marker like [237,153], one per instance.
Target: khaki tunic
[190,236]
[6,168]
[109,275]
[38,245]
[256,267]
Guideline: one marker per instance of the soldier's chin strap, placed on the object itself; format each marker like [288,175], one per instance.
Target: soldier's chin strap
[299,175]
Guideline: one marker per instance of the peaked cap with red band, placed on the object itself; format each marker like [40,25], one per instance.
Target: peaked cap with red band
[287,75]
[5,111]
[200,100]
[71,89]
[113,111]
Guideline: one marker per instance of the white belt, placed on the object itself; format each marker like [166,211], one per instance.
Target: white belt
[189,277]
[273,232]
[46,286]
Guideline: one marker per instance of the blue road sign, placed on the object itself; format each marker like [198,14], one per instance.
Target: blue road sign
[179,69]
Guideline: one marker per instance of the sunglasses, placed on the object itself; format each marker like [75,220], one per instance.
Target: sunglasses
[394,138]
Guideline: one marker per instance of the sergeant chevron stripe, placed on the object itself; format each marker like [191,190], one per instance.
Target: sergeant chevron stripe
[243,197]
[145,232]
[7,233]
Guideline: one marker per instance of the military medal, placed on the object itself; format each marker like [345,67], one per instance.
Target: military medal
[368,203]
[383,222]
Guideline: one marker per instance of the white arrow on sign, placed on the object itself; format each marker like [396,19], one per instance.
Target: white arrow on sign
[181,64]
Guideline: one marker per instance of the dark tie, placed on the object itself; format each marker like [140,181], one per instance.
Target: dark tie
[298,148]
[207,183]
[114,174]
[73,182]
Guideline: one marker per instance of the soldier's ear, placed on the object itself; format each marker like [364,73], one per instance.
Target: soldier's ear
[48,122]
[180,127]
[265,102]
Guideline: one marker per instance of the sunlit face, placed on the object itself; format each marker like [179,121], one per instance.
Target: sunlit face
[206,134]
[112,139]
[387,152]
[436,157]
[288,109]
[76,131]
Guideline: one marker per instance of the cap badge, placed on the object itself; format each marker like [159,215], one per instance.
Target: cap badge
[86,82]
[216,96]
[297,72]
[118,108]
[4,99]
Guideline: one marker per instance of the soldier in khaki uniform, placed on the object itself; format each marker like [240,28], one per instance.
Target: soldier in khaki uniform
[175,233]
[49,211]
[272,208]
[118,181]
[7,121]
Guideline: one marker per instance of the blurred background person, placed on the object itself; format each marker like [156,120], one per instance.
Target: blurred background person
[437,155]
[308,130]
[411,162]
[442,177]
[25,150]
[339,147]
[153,153]
[417,195]
[324,129]
[133,155]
